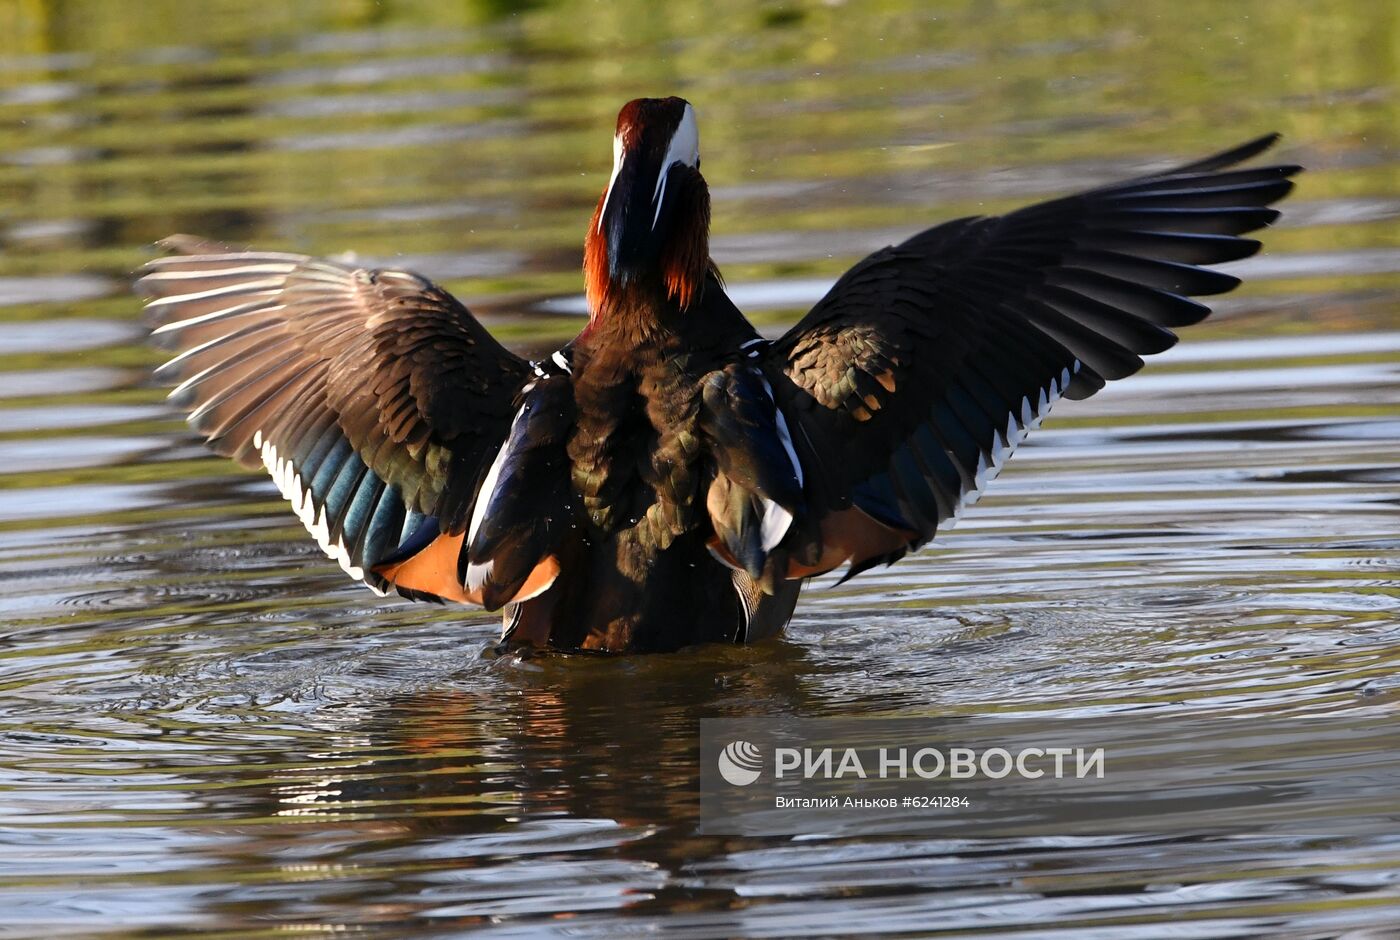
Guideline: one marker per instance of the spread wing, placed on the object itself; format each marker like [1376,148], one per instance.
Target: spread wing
[376,401]
[914,378]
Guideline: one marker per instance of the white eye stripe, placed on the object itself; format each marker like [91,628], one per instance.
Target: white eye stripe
[617,168]
[684,147]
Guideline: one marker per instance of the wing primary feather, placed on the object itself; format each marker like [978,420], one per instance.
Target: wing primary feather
[1226,158]
[362,391]
[976,328]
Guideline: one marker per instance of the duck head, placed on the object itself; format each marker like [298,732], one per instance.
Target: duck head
[651,228]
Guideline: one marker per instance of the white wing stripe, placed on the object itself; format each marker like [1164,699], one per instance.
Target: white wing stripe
[776,521]
[243,287]
[205,273]
[1004,445]
[488,485]
[260,303]
[289,484]
[784,436]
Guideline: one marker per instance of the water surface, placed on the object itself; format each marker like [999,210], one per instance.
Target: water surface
[203,727]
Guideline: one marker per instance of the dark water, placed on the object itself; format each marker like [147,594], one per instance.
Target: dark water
[203,727]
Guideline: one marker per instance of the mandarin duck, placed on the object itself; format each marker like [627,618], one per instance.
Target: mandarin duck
[670,476]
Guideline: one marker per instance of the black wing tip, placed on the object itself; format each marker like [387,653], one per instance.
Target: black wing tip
[1247,248]
[1227,283]
[1234,155]
[1246,150]
[1259,144]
